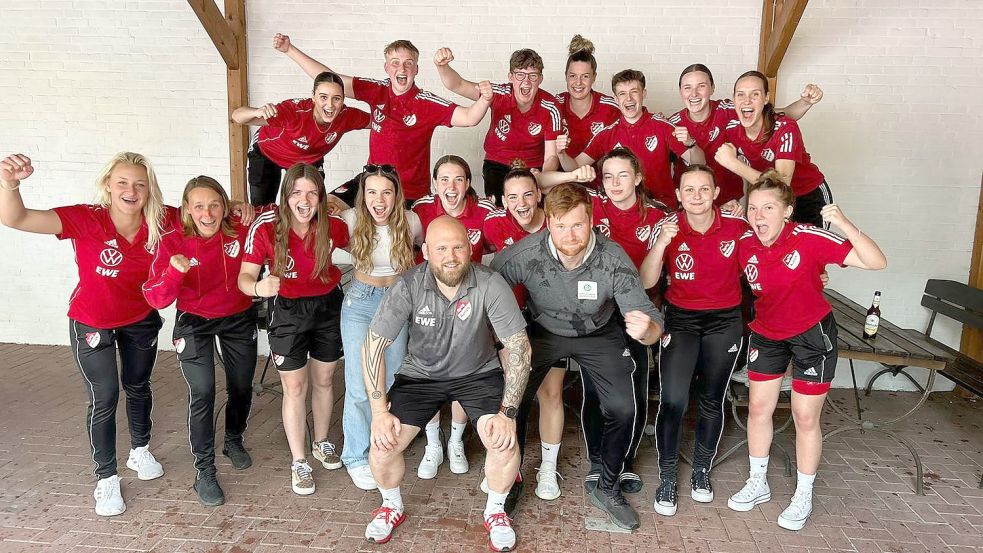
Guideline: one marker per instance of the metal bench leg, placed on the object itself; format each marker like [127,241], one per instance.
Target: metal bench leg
[911,449]
[895,370]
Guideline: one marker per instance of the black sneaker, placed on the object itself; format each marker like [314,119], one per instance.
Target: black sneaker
[590,482]
[702,490]
[236,453]
[614,504]
[208,490]
[630,482]
[515,494]
[665,498]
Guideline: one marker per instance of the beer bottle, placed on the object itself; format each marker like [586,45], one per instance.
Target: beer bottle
[873,317]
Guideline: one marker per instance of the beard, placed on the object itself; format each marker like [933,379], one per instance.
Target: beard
[448,278]
[571,250]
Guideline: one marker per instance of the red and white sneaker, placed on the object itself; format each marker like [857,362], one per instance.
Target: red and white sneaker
[501,536]
[384,521]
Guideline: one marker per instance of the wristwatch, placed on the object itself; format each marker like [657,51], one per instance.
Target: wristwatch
[508,411]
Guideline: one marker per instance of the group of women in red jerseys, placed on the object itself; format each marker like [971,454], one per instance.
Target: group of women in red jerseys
[733,157]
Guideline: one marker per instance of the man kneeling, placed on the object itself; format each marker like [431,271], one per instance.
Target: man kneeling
[452,308]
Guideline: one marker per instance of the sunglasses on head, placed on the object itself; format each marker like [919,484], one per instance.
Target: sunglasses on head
[385,168]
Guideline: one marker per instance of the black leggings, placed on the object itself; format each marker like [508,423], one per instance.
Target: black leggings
[264,176]
[808,207]
[194,338]
[705,345]
[95,353]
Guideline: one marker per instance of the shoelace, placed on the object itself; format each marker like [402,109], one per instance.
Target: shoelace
[701,480]
[106,490]
[455,448]
[498,519]
[326,448]
[666,492]
[143,456]
[431,454]
[540,472]
[388,515]
[303,470]
[616,498]
[800,501]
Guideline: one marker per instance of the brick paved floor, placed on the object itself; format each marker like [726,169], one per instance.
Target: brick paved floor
[864,496]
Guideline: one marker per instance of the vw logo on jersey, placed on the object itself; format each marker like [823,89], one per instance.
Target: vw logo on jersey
[727,248]
[665,339]
[378,116]
[410,120]
[792,259]
[290,263]
[231,249]
[330,137]
[110,257]
[751,272]
[684,262]
[714,133]
[596,127]
[651,143]
[474,234]
[642,233]
[768,155]
[535,128]
[503,125]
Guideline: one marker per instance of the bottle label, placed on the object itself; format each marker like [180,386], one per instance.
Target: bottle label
[871,324]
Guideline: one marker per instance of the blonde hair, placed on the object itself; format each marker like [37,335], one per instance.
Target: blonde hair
[772,180]
[153,210]
[581,49]
[401,44]
[203,181]
[321,235]
[365,238]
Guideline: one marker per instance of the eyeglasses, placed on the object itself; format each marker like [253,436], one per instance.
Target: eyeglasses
[385,168]
[521,76]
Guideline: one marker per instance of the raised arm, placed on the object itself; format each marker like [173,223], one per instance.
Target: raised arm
[451,79]
[651,268]
[250,284]
[548,179]
[473,114]
[866,254]
[309,65]
[14,169]
[811,95]
[726,156]
[258,117]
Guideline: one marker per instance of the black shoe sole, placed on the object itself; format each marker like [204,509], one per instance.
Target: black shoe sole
[512,500]
[215,502]
[631,486]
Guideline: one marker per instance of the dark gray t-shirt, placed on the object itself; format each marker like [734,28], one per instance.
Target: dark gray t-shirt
[578,302]
[449,338]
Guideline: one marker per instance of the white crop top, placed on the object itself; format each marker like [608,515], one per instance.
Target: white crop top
[381,263]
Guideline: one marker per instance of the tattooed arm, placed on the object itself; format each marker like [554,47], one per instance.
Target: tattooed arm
[385,427]
[516,357]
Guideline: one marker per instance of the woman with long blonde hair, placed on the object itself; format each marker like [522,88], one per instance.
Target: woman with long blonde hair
[114,240]
[297,239]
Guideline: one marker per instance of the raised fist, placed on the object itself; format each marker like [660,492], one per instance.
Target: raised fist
[584,174]
[443,57]
[562,142]
[180,263]
[485,90]
[15,168]
[667,232]
[812,94]
[281,42]
[682,135]
[268,287]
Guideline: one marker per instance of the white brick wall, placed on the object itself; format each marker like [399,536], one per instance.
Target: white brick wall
[896,134]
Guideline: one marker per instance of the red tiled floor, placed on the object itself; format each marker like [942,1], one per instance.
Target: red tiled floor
[864,496]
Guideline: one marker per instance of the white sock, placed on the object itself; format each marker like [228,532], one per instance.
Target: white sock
[759,465]
[392,498]
[805,482]
[433,432]
[495,503]
[457,431]
[550,452]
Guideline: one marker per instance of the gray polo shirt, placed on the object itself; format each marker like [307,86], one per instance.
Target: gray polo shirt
[449,338]
[578,302]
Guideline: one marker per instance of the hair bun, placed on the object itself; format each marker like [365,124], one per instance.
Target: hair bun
[580,44]
[518,164]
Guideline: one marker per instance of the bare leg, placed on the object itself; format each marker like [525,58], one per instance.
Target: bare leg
[294,409]
[760,428]
[322,396]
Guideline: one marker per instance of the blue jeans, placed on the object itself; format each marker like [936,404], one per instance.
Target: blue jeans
[361,303]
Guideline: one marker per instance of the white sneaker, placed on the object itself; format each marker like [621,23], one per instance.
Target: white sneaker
[484,485]
[501,536]
[547,488]
[109,500]
[754,492]
[362,477]
[794,516]
[142,461]
[384,521]
[302,477]
[433,456]
[456,459]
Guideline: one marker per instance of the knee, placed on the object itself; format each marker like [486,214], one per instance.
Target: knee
[381,457]
[805,418]
[106,398]
[295,390]
[760,408]
[501,458]
[622,410]
[550,396]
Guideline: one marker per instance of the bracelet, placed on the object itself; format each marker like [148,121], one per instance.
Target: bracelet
[15,187]
[255,285]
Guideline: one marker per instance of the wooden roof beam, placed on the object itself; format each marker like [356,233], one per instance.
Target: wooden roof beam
[218,29]
[779,19]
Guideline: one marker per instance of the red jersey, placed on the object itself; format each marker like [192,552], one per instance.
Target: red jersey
[702,270]
[709,135]
[785,277]
[603,111]
[298,279]
[473,217]
[293,136]
[515,135]
[401,129]
[502,230]
[785,143]
[111,270]
[626,227]
[210,288]
[651,139]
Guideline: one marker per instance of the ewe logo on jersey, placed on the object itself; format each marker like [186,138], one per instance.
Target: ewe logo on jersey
[289,272]
[410,120]
[792,259]
[110,258]
[424,317]
[179,345]
[301,143]
[603,228]
[651,143]
[474,235]
[642,233]
[503,127]
[535,128]
[684,262]
[666,338]
[231,249]
[727,248]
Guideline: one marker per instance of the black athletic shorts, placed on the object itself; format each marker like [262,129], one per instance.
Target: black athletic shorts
[305,326]
[813,353]
[808,207]
[415,401]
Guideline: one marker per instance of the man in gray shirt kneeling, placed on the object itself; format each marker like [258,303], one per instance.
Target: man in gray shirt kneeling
[452,308]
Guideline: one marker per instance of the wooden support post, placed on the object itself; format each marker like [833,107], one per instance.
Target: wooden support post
[779,18]
[972,339]
[228,34]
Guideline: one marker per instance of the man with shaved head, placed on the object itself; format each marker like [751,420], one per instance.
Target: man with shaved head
[454,310]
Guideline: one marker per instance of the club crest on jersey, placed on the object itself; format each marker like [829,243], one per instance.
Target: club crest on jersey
[330,137]
[278,359]
[110,257]
[503,127]
[179,345]
[684,262]
[792,259]
[92,338]
[727,248]
[752,355]
[642,233]
[474,234]
[535,128]
[596,127]
[714,133]
[231,249]
[651,143]
[665,339]
[768,155]
[463,309]
[410,120]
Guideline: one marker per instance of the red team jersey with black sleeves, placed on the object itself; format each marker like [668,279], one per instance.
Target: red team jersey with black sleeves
[515,135]
[603,112]
[111,269]
[702,270]
[785,277]
[297,280]
[210,288]
[473,217]
[785,143]
[651,139]
[401,128]
[626,227]
[293,136]
[709,135]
